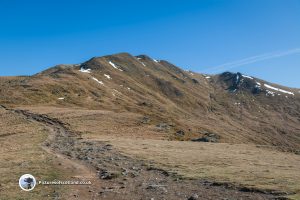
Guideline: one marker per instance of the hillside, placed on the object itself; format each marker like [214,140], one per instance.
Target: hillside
[140,128]
[183,105]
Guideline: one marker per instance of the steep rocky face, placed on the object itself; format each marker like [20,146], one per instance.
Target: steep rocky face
[236,81]
[233,107]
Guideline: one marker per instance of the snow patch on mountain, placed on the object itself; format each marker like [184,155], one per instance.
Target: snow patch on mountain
[245,76]
[114,66]
[97,81]
[237,78]
[270,93]
[141,61]
[277,89]
[85,70]
[107,76]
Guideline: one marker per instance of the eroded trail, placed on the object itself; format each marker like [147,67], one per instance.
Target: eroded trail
[115,176]
[59,143]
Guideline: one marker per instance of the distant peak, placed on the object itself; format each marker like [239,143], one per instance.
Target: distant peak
[144,57]
[122,54]
[116,55]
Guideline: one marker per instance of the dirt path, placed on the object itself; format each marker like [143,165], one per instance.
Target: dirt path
[115,176]
[79,170]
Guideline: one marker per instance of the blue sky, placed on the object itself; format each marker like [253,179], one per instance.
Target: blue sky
[197,35]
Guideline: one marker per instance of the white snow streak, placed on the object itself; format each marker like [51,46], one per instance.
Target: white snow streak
[245,76]
[277,89]
[98,81]
[114,66]
[237,78]
[107,76]
[85,70]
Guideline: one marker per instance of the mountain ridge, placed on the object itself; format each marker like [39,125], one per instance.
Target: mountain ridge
[184,105]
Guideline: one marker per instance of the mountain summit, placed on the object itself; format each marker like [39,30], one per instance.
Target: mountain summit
[184,105]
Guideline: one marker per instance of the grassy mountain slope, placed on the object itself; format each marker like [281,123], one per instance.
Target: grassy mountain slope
[228,107]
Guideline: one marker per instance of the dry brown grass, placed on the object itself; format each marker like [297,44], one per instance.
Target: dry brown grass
[102,122]
[164,92]
[21,153]
[260,167]
[188,102]
[247,165]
